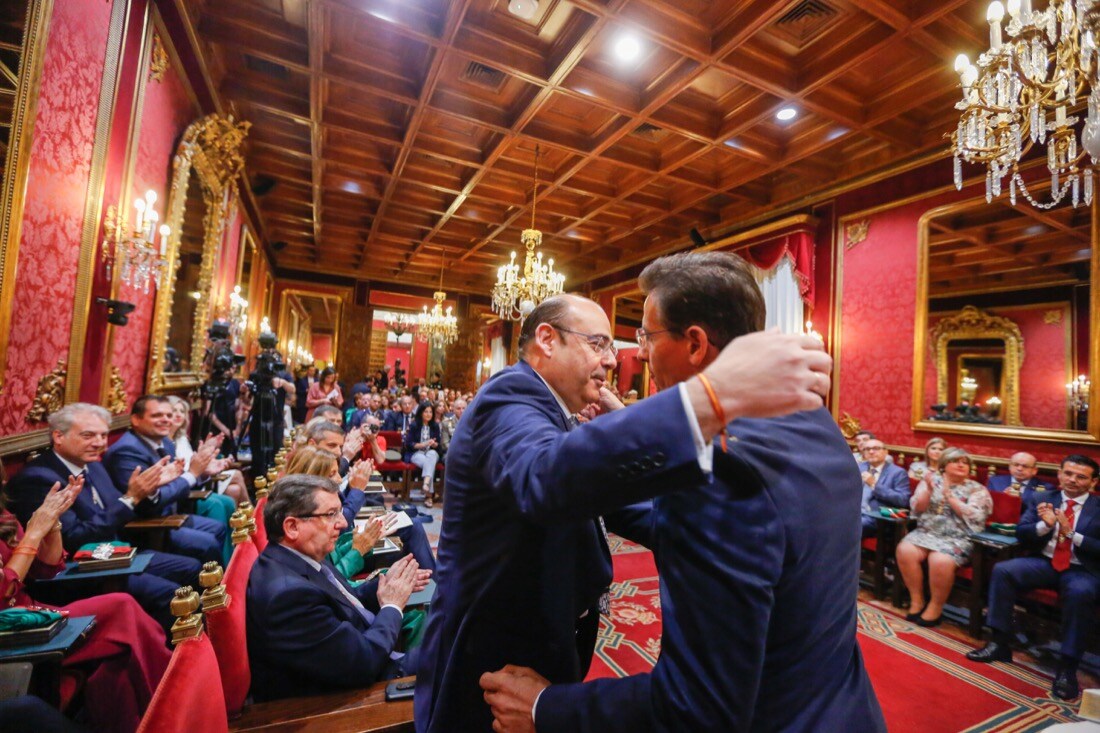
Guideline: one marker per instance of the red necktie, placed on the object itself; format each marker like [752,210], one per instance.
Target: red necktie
[1062,551]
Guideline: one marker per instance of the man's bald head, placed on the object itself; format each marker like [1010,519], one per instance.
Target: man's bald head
[1022,466]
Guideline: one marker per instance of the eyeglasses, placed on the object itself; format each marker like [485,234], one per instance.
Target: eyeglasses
[600,344]
[329,517]
[643,336]
[874,447]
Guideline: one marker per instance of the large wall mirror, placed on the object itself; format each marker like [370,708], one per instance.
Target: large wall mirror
[23,26]
[309,326]
[631,375]
[204,172]
[1006,321]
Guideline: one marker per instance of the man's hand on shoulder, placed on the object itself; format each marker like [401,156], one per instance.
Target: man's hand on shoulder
[511,693]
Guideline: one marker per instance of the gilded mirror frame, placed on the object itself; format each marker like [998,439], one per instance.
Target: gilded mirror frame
[973,323]
[211,146]
[17,166]
[921,337]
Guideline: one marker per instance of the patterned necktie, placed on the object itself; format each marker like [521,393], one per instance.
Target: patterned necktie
[1062,550]
[874,476]
[96,498]
[367,615]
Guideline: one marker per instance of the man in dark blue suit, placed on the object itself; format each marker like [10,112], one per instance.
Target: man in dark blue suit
[884,484]
[310,631]
[146,443]
[1021,481]
[1062,531]
[400,418]
[523,562]
[78,432]
[740,557]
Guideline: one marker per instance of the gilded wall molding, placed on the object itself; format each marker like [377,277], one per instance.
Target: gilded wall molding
[117,399]
[158,60]
[211,146]
[856,232]
[13,186]
[849,425]
[50,395]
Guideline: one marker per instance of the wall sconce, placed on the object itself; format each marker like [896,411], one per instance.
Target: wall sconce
[133,249]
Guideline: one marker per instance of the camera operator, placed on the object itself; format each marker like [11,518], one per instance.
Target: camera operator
[270,387]
[221,391]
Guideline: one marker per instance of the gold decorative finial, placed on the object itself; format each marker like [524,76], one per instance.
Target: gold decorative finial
[184,607]
[214,595]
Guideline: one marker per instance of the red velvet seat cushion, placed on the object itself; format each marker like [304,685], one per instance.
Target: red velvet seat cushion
[227,629]
[871,543]
[1006,508]
[260,537]
[185,700]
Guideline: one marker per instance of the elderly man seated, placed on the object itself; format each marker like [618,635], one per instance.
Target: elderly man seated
[1020,480]
[884,484]
[309,630]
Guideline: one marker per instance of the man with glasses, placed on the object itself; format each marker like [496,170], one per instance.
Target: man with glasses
[884,484]
[757,563]
[523,561]
[311,632]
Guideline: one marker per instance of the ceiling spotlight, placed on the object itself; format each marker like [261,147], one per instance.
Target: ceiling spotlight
[525,9]
[785,114]
[627,48]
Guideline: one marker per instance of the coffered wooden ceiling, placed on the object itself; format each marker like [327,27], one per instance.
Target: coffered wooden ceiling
[397,132]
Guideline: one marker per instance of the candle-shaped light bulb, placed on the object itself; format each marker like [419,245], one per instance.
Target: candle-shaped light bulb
[151,197]
[140,205]
[1013,8]
[969,76]
[994,15]
[165,230]
[962,62]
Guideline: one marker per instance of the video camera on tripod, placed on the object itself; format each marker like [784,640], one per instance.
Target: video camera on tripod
[269,363]
[219,360]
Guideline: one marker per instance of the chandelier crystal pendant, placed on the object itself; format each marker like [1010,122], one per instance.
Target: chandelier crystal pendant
[515,295]
[1018,95]
[134,251]
[437,327]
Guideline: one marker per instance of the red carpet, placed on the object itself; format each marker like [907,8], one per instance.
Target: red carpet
[923,681]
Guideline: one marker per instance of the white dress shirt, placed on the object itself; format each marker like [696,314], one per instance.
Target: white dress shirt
[1043,529]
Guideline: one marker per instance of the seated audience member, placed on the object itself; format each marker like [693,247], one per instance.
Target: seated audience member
[125,650]
[884,484]
[233,484]
[325,391]
[309,631]
[322,458]
[861,438]
[78,433]
[449,424]
[1020,480]
[422,448]
[399,419]
[933,450]
[1062,536]
[330,436]
[354,416]
[949,507]
[206,534]
[361,387]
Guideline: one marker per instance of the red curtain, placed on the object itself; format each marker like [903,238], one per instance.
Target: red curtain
[796,244]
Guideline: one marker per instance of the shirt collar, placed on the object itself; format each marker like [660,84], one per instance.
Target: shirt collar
[74,470]
[309,560]
[561,403]
[1080,500]
[149,442]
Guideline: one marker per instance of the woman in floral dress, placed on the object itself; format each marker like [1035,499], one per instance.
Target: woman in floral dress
[949,507]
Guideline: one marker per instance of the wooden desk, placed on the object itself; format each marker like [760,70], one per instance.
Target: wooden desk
[348,711]
[188,505]
[47,657]
[989,548]
[106,581]
[152,533]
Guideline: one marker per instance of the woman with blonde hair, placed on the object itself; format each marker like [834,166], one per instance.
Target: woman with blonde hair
[949,506]
[232,486]
[933,451]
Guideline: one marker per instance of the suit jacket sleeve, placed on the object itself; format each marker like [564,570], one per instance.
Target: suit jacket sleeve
[316,643]
[634,522]
[1025,530]
[708,687]
[610,462]
[353,502]
[30,489]
[893,488]
[121,463]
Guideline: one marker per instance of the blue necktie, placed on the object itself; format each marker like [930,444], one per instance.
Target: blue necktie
[367,615]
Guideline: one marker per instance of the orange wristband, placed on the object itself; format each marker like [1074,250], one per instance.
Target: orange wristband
[716,406]
[25,550]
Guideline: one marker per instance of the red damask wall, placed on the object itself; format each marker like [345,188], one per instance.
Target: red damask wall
[877,311]
[166,113]
[60,162]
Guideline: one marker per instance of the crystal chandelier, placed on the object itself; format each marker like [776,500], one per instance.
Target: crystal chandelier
[400,323]
[437,327]
[515,296]
[133,250]
[1048,61]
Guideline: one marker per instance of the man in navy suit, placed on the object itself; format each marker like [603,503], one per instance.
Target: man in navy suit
[146,443]
[309,630]
[78,432]
[1063,534]
[741,557]
[523,561]
[400,418]
[1020,481]
[884,484]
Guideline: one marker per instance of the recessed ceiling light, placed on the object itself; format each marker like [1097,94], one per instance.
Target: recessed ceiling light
[525,9]
[785,114]
[627,48]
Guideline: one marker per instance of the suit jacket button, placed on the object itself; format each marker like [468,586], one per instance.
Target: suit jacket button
[648,464]
[658,459]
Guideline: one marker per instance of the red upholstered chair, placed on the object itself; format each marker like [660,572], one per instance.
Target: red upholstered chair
[187,699]
[1006,508]
[225,624]
[260,536]
[395,442]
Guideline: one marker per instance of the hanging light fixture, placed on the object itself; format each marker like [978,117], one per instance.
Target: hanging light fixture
[438,327]
[1019,92]
[515,296]
[133,249]
[400,323]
